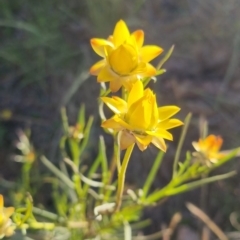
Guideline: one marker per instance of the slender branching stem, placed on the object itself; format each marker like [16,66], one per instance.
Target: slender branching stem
[121,176]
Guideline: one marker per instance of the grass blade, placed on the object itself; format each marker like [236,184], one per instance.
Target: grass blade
[180,144]
[153,172]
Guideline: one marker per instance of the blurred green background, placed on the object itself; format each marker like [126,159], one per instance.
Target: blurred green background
[44,60]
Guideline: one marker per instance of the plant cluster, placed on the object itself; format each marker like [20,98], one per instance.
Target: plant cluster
[90,203]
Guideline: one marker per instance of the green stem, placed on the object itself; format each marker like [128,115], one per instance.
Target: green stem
[121,176]
[65,120]
[42,225]
[118,152]
[45,214]
[113,163]
[165,58]
[78,186]
[152,174]
[176,186]
[180,144]
[26,175]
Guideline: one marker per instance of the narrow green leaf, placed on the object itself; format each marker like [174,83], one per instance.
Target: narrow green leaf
[45,214]
[231,154]
[129,213]
[96,184]
[103,160]
[94,166]
[195,184]
[127,231]
[86,135]
[81,116]
[57,172]
[173,189]
[180,144]
[75,151]
[65,121]
[160,72]
[185,164]
[165,58]
[152,174]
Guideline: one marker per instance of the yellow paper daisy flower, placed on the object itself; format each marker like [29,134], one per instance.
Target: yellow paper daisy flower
[6,226]
[140,120]
[125,59]
[210,147]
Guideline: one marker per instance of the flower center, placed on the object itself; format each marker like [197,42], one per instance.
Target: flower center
[124,60]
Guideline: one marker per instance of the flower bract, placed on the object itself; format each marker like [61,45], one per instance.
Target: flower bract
[210,147]
[125,59]
[6,225]
[140,120]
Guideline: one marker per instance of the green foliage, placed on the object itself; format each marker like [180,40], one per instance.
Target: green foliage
[84,199]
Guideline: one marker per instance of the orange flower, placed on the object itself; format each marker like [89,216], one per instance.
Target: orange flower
[6,226]
[210,147]
[125,59]
[140,120]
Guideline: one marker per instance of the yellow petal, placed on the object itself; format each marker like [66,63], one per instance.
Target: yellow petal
[167,112]
[111,123]
[139,37]
[121,33]
[149,71]
[161,133]
[141,146]
[150,109]
[115,84]
[9,231]
[159,143]
[116,104]
[170,123]
[96,68]
[126,139]
[107,52]
[213,142]
[110,38]
[154,112]
[140,69]
[143,140]
[217,145]
[146,140]
[196,146]
[139,114]
[123,60]
[105,75]
[135,93]
[123,123]
[9,211]
[98,45]
[128,84]
[148,53]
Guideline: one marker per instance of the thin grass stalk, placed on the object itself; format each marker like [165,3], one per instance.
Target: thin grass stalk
[180,144]
[121,176]
[153,172]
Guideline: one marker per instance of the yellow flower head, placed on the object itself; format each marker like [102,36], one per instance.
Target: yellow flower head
[140,120]
[6,226]
[125,59]
[210,147]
